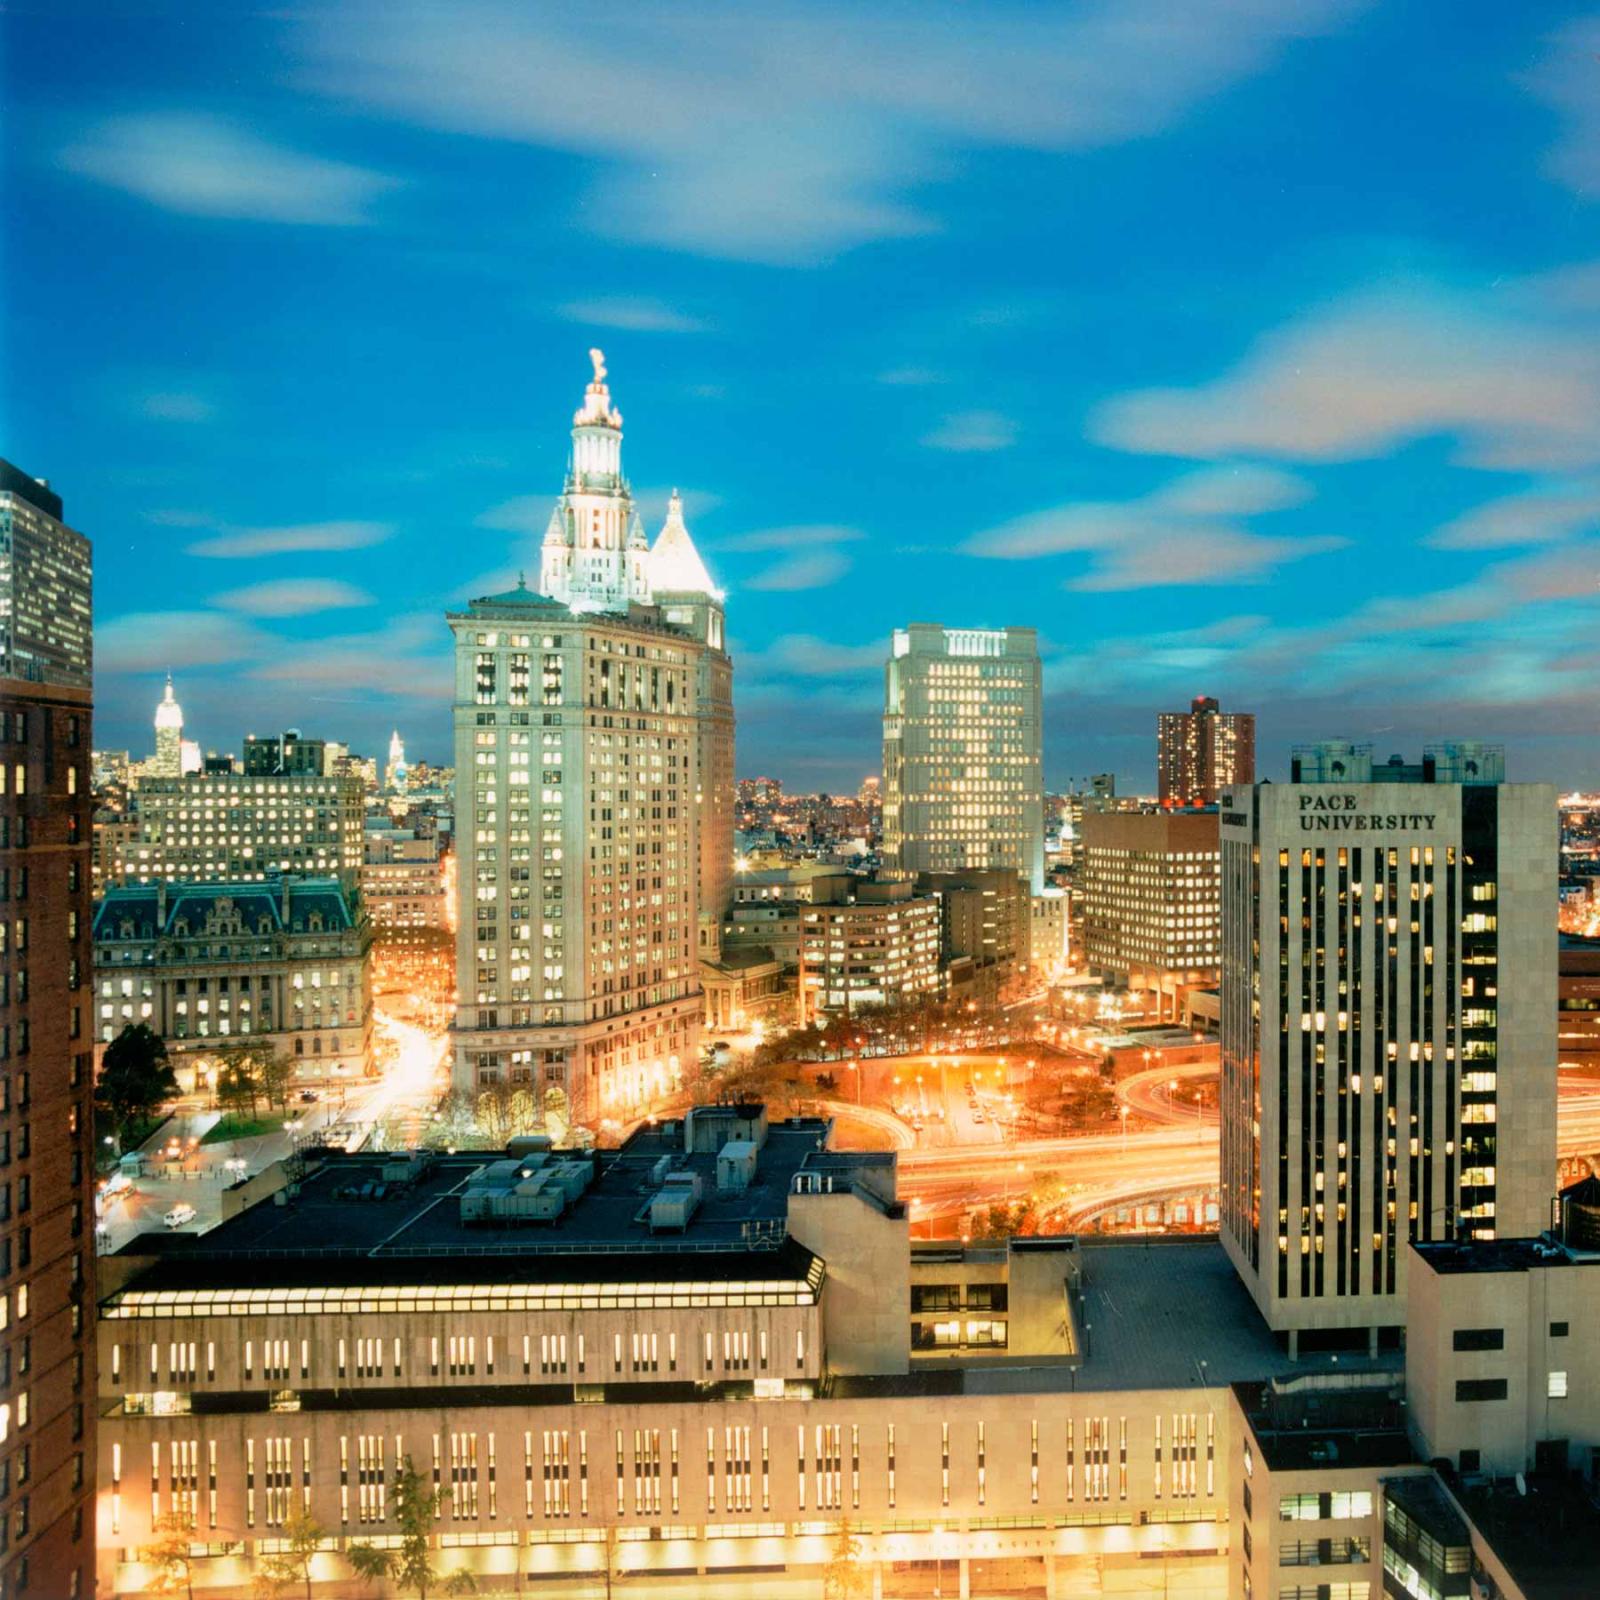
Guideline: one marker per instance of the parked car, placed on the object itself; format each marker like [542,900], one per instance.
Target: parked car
[180,1215]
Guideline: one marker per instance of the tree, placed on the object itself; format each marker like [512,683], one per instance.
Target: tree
[303,1537]
[845,1576]
[239,1077]
[135,1076]
[415,1507]
[276,1076]
[169,1554]
[371,1564]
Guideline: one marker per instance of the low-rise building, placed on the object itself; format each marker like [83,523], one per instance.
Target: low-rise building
[876,947]
[285,962]
[708,1353]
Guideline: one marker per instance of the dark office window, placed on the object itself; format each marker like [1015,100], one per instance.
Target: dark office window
[1480,1389]
[1479,1339]
[1471,1460]
[1558,1330]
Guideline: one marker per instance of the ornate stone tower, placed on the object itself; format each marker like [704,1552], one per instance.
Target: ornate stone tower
[595,550]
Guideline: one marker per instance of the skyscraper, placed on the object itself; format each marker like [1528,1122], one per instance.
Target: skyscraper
[1203,751]
[47,1410]
[1388,1023]
[962,783]
[591,721]
[168,759]
[45,613]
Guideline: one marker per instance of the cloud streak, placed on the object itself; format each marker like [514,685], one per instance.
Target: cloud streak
[1173,536]
[791,134]
[204,166]
[1357,379]
[293,597]
[243,544]
[632,314]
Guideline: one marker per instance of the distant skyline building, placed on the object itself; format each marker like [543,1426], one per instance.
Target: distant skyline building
[395,769]
[1202,751]
[167,762]
[962,752]
[593,729]
[1388,1024]
[286,753]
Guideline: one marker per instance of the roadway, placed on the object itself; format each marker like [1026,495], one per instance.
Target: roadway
[401,1101]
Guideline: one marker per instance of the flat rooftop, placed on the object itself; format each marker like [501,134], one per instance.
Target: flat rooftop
[1298,1429]
[1503,1255]
[1162,1313]
[1548,1537]
[345,1224]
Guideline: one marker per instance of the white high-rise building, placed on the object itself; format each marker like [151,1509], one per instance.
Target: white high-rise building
[962,782]
[395,770]
[594,746]
[168,759]
[1388,1024]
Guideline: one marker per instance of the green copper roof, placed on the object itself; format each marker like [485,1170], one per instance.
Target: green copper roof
[522,595]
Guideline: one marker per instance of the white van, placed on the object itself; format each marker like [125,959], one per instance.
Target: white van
[180,1215]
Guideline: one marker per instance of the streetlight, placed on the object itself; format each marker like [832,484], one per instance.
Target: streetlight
[1122,1111]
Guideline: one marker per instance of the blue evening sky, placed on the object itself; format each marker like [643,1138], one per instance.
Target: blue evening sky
[1243,347]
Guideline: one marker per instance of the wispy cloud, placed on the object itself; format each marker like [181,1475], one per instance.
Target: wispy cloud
[176,406]
[1175,535]
[152,641]
[804,655]
[296,539]
[1356,379]
[1566,79]
[973,431]
[910,377]
[293,597]
[404,658]
[810,570]
[797,131]
[632,314]
[801,536]
[813,555]
[205,166]
[1543,515]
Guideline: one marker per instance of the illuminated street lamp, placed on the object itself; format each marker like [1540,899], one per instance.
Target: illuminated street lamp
[1122,1111]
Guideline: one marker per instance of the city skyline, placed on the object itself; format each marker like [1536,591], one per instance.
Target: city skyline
[1355,494]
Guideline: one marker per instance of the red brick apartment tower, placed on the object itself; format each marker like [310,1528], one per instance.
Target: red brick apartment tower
[46,1057]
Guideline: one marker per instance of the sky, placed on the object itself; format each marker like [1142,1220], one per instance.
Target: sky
[1247,348]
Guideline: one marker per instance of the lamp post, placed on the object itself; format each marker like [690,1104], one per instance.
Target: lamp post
[1122,1111]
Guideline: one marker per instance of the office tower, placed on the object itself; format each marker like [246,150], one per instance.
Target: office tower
[47,1409]
[211,826]
[586,718]
[45,614]
[1388,1023]
[1203,751]
[167,762]
[1152,902]
[284,755]
[962,787]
